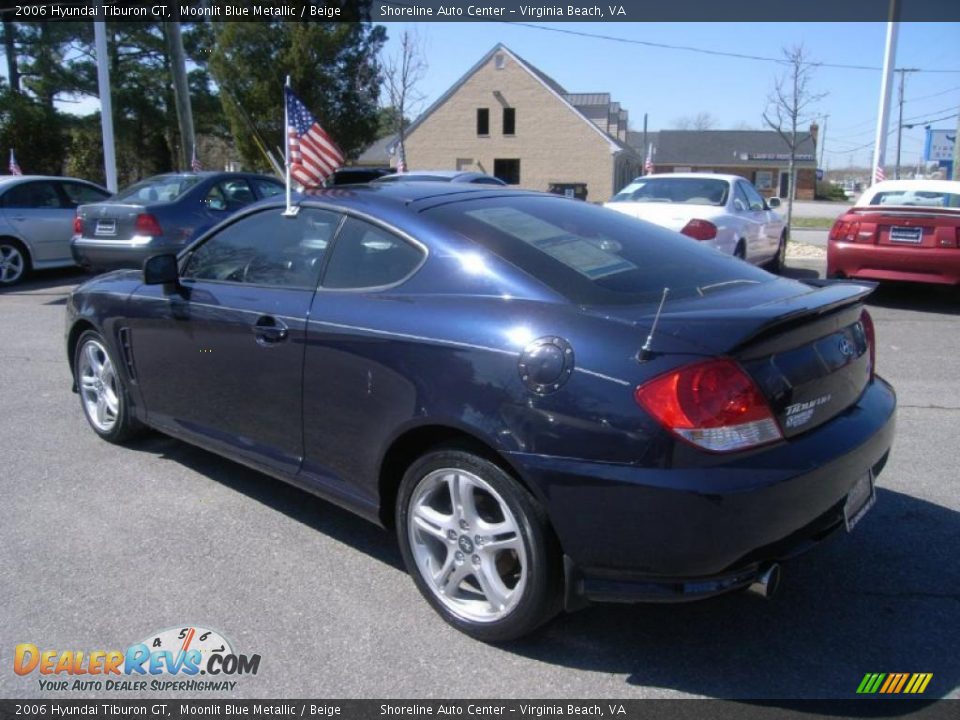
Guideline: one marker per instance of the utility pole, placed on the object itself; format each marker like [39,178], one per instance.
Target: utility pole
[823,141]
[106,103]
[903,72]
[181,92]
[886,85]
[644,171]
[955,172]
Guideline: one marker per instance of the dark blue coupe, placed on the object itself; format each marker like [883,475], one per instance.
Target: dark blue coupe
[553,403]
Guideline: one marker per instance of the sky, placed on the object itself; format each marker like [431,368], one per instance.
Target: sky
[670,84]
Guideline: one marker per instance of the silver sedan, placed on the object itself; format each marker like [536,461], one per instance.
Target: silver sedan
[36,222]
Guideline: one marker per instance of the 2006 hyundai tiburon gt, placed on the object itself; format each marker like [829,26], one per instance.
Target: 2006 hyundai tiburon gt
[552,402]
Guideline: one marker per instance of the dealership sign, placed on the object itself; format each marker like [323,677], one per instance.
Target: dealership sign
[939,145]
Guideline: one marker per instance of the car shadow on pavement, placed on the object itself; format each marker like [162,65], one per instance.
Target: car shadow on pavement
[799,273]
[63,279]
[297,504]
[915,296]
[884,599]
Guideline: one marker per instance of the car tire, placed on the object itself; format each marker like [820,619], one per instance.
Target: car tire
[14,262]
[488,565]
[779,260]
[103,394]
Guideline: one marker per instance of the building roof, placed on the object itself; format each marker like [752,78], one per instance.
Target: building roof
[552,85]
[378,152]
[722,147]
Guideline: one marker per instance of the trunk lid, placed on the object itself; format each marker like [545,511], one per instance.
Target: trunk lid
[109,221]
[807,347]
[907,226]
[668,215]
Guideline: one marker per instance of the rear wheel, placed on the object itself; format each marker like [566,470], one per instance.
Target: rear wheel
[103,395]
[477,545]
[14,262]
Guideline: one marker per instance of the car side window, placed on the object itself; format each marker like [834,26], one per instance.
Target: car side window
[366,256]
[267,188]
[32,195]
[756,201]
[79,194]
[215,199]
[266,248]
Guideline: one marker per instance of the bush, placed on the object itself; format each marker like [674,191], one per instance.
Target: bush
[829,191]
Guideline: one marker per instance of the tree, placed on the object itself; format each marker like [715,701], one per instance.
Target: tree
[401,75]
[33,131]
[700,121]
[789,107]
[333,69]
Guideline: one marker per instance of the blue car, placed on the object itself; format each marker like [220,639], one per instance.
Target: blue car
[552,403]
[161,214]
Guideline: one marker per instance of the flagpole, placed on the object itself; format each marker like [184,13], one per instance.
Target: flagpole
[286,141]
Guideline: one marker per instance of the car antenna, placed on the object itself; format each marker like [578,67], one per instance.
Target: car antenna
[646,352]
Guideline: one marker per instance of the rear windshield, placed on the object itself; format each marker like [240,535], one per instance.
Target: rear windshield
[157,189]
[919,198]
[593,255]
[689,191]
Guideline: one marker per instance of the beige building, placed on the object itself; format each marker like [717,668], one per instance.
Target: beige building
[506,118]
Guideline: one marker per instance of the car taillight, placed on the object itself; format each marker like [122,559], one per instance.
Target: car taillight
[700,229]
[77,225]
[147,224]
[845,230]
[713,404]
[871,335]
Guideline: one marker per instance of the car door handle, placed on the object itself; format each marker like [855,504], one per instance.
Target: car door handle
[269,330]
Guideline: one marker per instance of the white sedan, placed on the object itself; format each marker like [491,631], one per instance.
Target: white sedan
[725,211]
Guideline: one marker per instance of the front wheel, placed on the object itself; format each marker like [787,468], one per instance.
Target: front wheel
[477,545]
[779,260]
[14,262]
[103,395]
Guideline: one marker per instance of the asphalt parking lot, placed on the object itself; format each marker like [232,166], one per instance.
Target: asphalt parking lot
[102,546]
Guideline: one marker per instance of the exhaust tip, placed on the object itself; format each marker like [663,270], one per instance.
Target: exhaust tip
[767,582]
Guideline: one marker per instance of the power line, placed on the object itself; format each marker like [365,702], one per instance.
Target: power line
[704,51]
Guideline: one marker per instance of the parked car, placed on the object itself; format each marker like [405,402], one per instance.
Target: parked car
[36,219]
[353,175]
[724,211]
[503,377]
[454,176]
[161,214]
[900,230]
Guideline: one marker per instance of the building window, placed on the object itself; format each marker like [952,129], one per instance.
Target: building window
[483,121]
[499,61]
[763,179]
[507,170]
[509,121]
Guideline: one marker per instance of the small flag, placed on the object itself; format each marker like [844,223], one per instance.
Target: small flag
[14,168]
[195,162]
[313,154]
[401,159]
[879,175]
[648,163]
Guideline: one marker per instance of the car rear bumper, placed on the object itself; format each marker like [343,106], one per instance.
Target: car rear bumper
[96,254]
[665,534]
[891,262]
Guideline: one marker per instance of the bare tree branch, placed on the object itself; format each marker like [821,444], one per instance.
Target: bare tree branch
[402,73]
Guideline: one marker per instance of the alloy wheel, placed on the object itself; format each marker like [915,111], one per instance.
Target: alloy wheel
[12,264]
[467,545]
[99,386]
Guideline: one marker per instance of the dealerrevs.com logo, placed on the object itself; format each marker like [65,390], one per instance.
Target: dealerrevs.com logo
[189,658]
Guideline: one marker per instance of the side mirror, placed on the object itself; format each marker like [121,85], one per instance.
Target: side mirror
[161,270]
[773,202]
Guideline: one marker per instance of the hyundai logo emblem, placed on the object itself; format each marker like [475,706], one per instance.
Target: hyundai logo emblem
[846,349]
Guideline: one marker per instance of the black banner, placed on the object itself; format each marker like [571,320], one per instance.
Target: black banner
[479,709]
[487,10]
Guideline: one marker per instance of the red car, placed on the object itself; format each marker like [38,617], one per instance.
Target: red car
[900,230]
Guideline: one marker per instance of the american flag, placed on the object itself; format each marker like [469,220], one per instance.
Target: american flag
[14,168]
[879,175]
[195,162]
[401,159]
[648,163]
[313,155]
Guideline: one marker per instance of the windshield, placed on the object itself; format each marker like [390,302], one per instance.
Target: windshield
[163,188]
[592,255]
[688,191]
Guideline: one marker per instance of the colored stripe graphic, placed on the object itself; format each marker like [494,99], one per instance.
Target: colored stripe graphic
[894,683]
